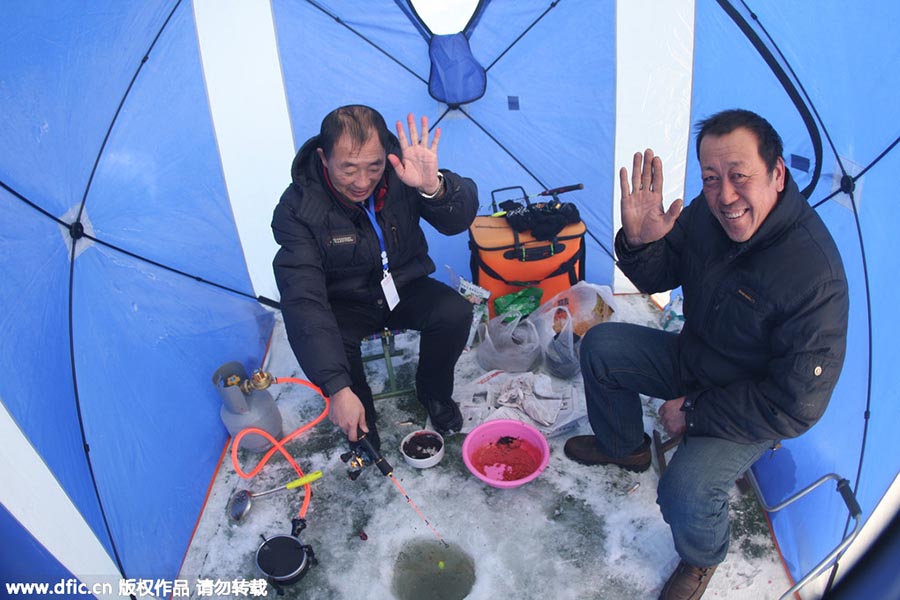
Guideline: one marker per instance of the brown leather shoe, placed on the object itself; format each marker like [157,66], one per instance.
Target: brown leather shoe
[687,582]
[583,449]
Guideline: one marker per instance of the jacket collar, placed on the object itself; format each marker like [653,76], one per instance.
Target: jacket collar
[784,215]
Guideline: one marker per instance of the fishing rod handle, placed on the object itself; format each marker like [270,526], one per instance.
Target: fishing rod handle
[562,190]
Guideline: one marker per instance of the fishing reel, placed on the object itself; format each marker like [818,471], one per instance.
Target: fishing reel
[362,454]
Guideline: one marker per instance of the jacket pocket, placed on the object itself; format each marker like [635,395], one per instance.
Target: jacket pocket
[739,325]
[813,377]
[342,250]
[818,372]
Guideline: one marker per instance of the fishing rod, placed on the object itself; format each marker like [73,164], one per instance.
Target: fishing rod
[527,198]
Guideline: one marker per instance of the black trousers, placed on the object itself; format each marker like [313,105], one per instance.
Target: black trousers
[443,318]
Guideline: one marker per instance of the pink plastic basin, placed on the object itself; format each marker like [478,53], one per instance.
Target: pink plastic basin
[491,432]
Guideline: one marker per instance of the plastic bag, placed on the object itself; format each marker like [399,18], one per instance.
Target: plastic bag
[509,343]
[478,296]
[672,317]
[561,351]
[563,320]
[588,304]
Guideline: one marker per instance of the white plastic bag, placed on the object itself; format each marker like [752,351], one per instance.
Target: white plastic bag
[672,317]
[509,343]
[563,320]
[587,303]
[478,296]
[560,350]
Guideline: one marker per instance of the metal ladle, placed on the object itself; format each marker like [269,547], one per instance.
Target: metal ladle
[239,504]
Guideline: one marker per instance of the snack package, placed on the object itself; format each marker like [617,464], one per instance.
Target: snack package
[524,301]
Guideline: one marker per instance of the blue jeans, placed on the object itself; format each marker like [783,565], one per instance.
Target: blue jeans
[621,360]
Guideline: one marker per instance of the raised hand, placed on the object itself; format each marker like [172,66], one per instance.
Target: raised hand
[418,166]
[643,218]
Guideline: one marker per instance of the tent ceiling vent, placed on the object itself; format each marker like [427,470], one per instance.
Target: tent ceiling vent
[456,76]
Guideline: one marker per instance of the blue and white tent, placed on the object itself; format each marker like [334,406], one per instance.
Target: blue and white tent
[144,144]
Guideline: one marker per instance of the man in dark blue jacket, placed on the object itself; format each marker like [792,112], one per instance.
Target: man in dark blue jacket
[765,305]
[354,260]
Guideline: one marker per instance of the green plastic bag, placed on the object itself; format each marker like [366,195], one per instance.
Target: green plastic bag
[524,302]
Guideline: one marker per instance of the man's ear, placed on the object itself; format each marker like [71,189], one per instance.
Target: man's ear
[778,174]
[321,154]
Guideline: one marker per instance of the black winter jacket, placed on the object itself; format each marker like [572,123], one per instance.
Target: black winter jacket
[765,320]
[329,252]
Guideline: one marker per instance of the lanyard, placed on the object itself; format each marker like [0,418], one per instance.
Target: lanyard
[370,212]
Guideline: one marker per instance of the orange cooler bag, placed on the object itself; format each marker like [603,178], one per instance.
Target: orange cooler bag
[505,261]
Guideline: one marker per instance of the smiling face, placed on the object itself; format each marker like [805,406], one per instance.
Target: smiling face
[355,169]
[739,190]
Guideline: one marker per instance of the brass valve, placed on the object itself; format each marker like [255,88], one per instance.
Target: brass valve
[260,380]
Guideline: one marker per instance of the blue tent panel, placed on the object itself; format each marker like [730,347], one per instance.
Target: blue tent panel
[57,102]
[153,427]
[24,560]
[158,192]
[38,392]
[381,62]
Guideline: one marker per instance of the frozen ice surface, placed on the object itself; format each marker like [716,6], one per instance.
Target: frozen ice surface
[575,532]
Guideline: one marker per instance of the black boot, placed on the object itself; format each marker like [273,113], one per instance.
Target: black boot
[445,416]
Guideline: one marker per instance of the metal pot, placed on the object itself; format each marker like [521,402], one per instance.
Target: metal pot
[284,559]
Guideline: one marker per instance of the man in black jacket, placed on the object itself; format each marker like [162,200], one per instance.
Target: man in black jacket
[354,260]
[765,305]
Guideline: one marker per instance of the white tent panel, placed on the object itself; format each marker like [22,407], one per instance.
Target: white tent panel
[250,116]
[655,48]
[34,497]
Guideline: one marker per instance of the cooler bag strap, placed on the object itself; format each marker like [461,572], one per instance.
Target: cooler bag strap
[566,267]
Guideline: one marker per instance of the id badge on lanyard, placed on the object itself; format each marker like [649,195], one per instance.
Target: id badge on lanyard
[387,280]
[390,290]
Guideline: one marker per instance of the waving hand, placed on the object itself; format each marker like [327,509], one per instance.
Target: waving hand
[418,165]
[643,218]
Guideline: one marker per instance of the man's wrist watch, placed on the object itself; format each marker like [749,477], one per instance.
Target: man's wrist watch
[688,404]
[437,192]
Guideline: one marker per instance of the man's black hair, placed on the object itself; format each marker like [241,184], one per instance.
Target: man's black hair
[356,121]
[769,142]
